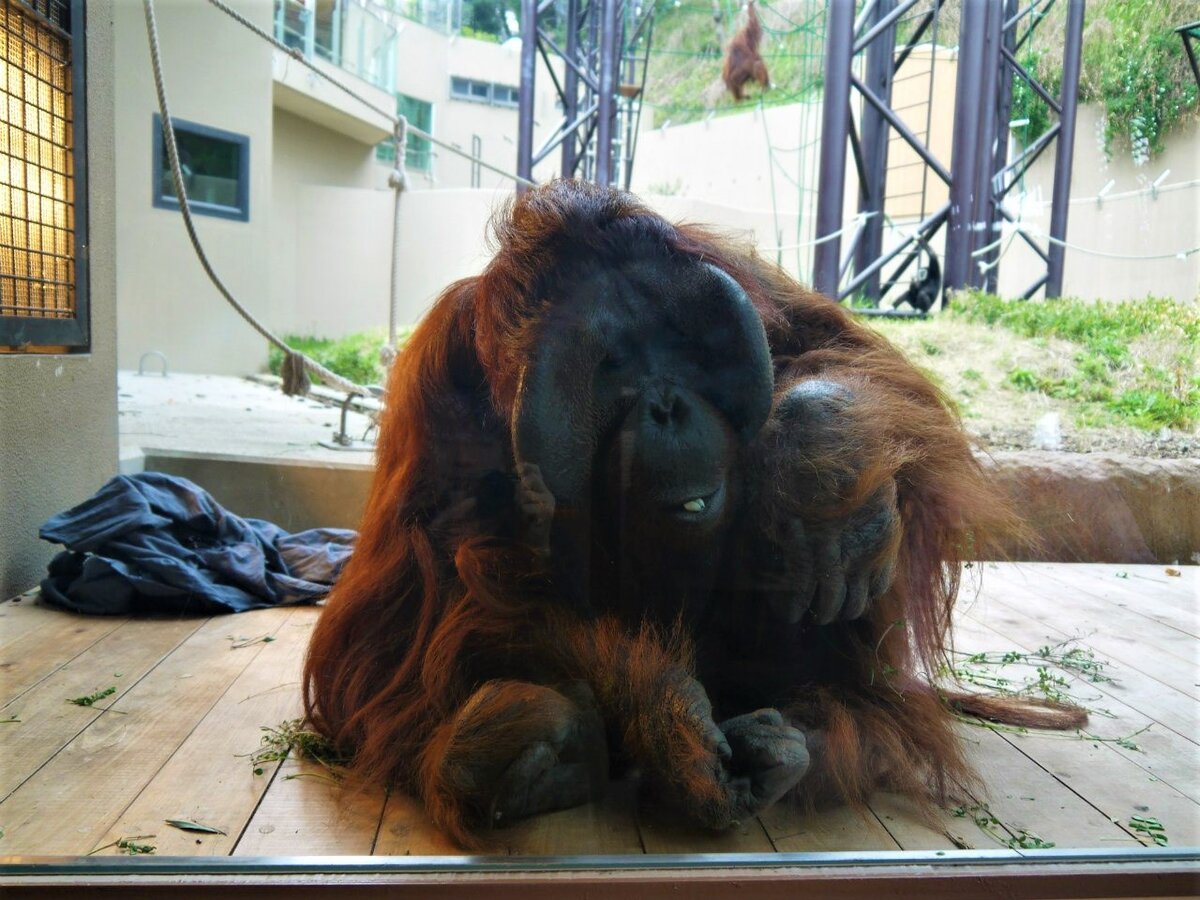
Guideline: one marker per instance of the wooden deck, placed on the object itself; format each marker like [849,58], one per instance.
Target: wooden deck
[173,740]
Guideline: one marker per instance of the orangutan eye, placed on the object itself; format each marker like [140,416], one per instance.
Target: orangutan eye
[696,505]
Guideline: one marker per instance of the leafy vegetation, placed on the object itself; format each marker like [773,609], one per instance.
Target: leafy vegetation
[355,356]
[1133,65]
[1109,382]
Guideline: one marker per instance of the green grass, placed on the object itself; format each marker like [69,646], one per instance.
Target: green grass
[355,356]
[1110,381]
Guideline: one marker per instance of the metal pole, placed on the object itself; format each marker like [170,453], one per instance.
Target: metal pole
[609,48]
[1008,40]
[872,182]
[984,213]
[835,124]
[570,151]
[964,158]
[1065,150]
[525,94]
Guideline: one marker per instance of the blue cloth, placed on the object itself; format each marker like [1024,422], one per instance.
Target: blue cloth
[158,543]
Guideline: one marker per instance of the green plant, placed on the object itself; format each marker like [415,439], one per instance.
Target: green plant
[1108,383]
[1133,65]
[355,356]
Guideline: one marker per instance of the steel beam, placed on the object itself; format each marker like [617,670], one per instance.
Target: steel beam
[835,124]
[965,154]
[525,93]
[1065,149]
[872,176]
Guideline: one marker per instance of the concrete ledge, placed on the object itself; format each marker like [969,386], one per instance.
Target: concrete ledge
[1084,507]
[1105,508]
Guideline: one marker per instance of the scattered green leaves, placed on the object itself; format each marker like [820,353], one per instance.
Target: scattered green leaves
[238,642]
[1002,833]
[189,825]
[279,741]
[93,699]
[129,845]
[1149,827]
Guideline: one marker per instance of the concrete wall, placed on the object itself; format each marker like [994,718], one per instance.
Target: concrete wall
[1135,224]
[331,231]
[58,443]
[165,302]
[427,60]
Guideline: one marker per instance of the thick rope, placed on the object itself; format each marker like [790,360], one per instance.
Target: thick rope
[398,181]
[296,364]
[295,54]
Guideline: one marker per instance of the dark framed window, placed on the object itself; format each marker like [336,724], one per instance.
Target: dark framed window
[419,152]
[483,92]
[43,176]
[216,170]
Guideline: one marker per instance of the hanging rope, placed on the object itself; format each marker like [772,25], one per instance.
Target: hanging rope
[296,365]
[398,182]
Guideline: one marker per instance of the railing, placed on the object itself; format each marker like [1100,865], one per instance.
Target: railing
[359,37]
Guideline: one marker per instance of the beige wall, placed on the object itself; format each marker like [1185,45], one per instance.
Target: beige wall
[427,60]
[58,442]
[1136,225]
[165,302]
[331,226]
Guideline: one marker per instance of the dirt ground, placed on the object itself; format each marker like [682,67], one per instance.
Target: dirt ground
[971,362]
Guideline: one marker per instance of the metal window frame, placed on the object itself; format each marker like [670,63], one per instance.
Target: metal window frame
[238,213]
[74,334]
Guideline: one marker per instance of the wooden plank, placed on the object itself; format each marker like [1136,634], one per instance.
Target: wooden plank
[72,801]
[1023,795]
[304,812]
[407,831]
[48,723]
[17,619]
[1163,754]
[663,831]
[1110,777]
[913,831]
[209,778]
[1149,696]
[1141,596]
[1176,653]
[606,826]
[41,652]
[1172,662]
[838,828]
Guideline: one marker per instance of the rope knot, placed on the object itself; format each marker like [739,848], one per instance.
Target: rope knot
[295,378]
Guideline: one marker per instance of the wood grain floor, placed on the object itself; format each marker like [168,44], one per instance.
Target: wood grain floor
[191,696]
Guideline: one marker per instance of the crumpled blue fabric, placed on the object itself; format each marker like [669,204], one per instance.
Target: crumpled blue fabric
[154,542]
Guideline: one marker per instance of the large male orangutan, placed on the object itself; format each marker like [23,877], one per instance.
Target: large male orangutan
[642,499]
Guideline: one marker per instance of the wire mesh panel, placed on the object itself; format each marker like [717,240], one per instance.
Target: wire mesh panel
[37,178]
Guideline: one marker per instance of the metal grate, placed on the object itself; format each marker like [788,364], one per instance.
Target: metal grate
[37,178]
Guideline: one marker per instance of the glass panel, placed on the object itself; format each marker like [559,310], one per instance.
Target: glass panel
[211,168]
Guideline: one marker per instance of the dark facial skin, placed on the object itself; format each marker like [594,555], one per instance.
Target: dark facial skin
[648,379]
[668,499]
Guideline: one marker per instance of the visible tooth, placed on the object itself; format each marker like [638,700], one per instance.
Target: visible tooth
[696,505]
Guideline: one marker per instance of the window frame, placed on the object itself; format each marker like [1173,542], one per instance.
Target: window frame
[238,213]
[21,334]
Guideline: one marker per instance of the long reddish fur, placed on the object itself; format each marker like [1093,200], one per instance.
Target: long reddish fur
[743,61]
[383,676]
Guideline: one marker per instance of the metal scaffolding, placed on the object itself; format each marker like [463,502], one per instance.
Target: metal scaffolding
[979,175]
[602,47]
